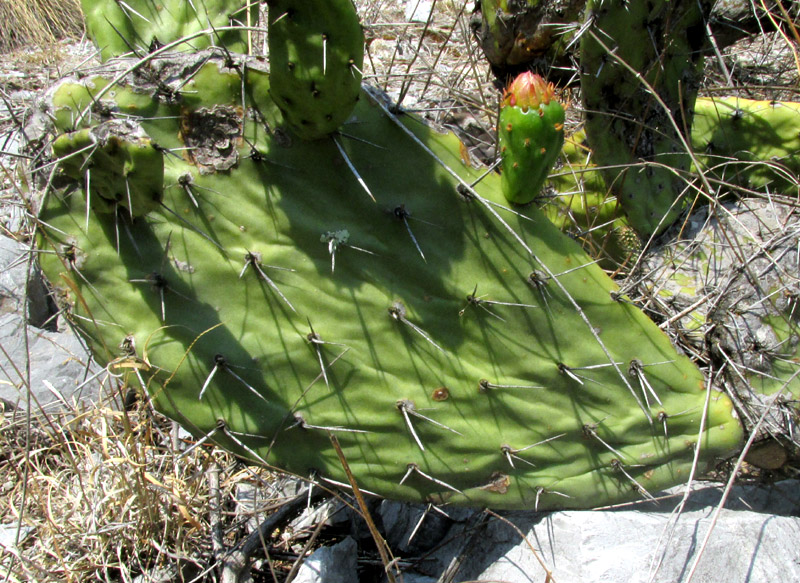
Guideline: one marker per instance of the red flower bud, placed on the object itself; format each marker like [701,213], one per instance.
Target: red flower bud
[528,90]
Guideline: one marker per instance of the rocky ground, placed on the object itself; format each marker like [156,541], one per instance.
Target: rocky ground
[744,530]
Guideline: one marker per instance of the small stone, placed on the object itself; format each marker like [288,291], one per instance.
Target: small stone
[334,564]
[418,10]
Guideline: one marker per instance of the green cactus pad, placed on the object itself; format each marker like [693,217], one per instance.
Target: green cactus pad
[460,352]
[741,146]
[316,52]
[530,133]
[750,144]
[640,141]
[138,26]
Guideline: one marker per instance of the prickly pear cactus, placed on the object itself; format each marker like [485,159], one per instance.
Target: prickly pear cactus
[742,146]
[138,26]
[460,352]
[530,134]
[117,162]
[641,67]
[576,200]
[316,52]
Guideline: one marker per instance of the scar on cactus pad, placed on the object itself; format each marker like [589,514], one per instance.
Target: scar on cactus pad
[530,135]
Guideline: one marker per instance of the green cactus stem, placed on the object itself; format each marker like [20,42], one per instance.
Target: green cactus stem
[139,26]
[750,144]
[506,30]
[316,52]
[461,352]
[641,66]
[530,133]
[742,146]
[534,34]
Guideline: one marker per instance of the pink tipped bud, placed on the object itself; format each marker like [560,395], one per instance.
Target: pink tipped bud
[528,90]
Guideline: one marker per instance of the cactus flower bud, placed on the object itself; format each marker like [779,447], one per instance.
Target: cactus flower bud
[530,136]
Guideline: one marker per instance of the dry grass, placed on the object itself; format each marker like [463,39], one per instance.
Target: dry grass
[110,493]
[38,23]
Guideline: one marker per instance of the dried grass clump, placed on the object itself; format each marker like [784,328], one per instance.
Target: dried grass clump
[38,23]
[110,493]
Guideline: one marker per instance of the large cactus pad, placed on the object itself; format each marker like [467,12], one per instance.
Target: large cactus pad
[459,351]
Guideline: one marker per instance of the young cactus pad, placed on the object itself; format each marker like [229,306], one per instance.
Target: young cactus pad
[459,351]
[316,52]
[530,133]
[138,26]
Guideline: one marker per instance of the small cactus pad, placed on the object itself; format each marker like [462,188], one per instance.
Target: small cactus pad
[139,26]
[460,351]
[530,134]
[316,52]
[118,165]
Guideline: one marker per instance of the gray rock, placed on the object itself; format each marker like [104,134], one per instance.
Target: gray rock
[632,546]
[418,10]
[15,267]
[59,367]
[9,537]
[413,529]
[334,564]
